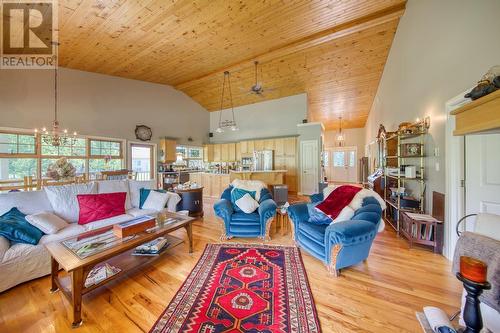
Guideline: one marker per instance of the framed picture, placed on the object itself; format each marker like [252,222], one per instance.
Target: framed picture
[411,149]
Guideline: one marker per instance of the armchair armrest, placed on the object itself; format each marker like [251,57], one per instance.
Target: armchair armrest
[267,210]
[297,213]
[223,209]
[348,242]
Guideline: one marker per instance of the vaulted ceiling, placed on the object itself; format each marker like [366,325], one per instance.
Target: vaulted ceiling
[334,51]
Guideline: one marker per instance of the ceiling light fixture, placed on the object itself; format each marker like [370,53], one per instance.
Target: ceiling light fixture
[340,135]
[226,124]
[56,137]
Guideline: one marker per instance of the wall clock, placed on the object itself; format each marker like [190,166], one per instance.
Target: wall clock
[143,132]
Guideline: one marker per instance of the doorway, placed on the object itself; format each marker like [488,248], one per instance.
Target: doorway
[142,161]
[341,164]
[309,163]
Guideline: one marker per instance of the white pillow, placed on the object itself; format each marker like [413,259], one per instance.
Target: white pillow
[63,199]
[247,204]
[113,186]
[134,187]
[47,222]
[173,200]
[156,201]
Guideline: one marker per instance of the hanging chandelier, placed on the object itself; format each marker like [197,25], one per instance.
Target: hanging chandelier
[55,136]
[226,124]
[340,135]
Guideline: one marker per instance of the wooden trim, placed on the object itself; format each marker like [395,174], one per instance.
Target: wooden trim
[479,116]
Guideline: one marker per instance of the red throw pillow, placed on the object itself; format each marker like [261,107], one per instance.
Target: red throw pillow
[94,207]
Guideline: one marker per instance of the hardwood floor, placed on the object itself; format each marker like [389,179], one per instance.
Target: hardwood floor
[380,295]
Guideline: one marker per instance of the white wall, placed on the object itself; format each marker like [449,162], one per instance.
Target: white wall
[440,49]
[95,104]
[277,117]
[354,137]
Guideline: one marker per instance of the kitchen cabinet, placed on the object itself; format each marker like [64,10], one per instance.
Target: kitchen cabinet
[258,145]
[231,152]
[167,150]
[279,147]
[217,153]
[237,148]
[196,177]
[290,145]
[208,153]
[224,155]
[269,144]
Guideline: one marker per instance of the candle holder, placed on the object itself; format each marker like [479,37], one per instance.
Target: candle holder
[472,311]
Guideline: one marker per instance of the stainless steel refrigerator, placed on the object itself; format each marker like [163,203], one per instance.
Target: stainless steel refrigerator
[263,160]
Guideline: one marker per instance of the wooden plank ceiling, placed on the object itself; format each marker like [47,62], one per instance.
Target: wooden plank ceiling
[334,51]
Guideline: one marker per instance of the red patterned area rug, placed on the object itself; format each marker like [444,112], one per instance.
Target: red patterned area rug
[243,288]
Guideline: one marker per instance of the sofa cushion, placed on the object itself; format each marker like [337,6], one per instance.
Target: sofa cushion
[72,229]
[367,216]
[15,228]
[63,199]
[28,202]
[242,217]
[47,222]
[247,204]
[4,246]
[134,187]
[316,216]
[372,208]
[315,231]
[136,212]
[113,186]
[94,207]
[173,200]
[107,222]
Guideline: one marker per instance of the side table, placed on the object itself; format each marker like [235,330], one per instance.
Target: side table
[282,221]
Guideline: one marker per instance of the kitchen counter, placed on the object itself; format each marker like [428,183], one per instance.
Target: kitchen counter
[270,177]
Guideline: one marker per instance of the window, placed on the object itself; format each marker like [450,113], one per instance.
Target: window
[103,148]
[26,154]
[338,158]
[17,144]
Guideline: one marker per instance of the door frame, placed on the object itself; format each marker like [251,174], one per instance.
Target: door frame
[316,169]
[455,176]
[346,148]
[154,156]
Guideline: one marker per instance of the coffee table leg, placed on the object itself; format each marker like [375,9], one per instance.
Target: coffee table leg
[189,229]
[53,274]
[76,294]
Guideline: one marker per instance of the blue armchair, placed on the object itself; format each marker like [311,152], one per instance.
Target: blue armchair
[339,244]
[239,224]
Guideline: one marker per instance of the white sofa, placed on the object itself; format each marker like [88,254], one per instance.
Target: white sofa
[24,262]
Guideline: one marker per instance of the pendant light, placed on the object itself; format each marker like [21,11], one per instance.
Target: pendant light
[340,135]
[226,124]
[55,136]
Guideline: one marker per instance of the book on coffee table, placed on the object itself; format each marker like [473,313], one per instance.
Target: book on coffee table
[152,248]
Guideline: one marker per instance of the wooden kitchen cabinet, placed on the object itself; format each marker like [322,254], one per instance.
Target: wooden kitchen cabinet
[217,153]
[231,147]
[237,148]
[224,154]
[258,145]
[208,153]
[167,150]
[279,147]
[290,145]
[269,144]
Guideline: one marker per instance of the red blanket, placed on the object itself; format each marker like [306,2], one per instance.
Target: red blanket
[337,200]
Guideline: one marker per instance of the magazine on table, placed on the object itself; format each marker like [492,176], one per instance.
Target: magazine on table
[152,248]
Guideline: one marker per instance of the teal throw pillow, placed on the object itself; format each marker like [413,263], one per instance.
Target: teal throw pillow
[143,195]
[238,193]
[15,228]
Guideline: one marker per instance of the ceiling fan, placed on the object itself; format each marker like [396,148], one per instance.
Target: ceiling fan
[257,88]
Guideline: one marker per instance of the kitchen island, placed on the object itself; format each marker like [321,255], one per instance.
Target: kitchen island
[270,177]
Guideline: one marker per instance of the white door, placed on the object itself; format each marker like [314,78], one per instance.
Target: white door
[309,162]
[344,165]
[482,175]
[142,161]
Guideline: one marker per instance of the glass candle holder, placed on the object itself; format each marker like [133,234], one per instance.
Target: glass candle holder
[473,269]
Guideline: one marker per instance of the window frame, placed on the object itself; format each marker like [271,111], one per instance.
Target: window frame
[21,155]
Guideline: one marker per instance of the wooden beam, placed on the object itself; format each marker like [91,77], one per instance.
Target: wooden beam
[365,22]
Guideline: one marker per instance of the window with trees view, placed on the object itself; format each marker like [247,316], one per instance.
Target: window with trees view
[23,154]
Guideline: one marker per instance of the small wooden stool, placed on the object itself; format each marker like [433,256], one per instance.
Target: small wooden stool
[282,221]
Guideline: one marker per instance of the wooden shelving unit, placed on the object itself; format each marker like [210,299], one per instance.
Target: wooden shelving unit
[395,157]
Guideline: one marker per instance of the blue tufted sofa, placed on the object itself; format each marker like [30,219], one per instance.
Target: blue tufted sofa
[339,244]
[239,224]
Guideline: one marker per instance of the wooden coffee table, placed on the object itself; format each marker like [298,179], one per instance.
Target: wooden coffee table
[105,248]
